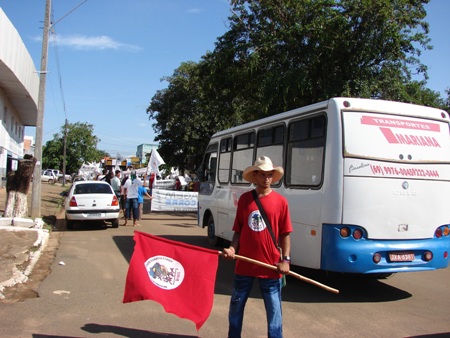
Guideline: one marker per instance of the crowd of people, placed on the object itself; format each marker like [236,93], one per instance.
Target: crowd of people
[130,191]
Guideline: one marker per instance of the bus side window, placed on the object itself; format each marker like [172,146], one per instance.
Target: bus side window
[270,143]
[207,171]
[224,160]
[243,148]
[306,149]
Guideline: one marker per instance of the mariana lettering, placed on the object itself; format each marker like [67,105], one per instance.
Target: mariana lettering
[423,141]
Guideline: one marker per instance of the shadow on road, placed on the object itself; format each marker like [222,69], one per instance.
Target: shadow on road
[351,288]
[128,332]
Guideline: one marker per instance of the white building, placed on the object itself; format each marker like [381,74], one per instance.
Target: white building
[143,150]
[19,89]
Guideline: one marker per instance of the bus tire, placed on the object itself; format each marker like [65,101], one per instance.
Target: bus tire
[211,230]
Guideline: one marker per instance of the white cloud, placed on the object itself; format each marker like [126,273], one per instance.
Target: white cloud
[194,11]
[82,42]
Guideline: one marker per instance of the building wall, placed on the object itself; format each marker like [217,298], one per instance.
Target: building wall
[28,145]
[144,149]
[19,90]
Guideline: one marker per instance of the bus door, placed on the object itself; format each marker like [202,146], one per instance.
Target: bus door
[304,180]
[207,177]
[223,195]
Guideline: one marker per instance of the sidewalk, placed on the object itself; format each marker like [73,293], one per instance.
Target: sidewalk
[22,241]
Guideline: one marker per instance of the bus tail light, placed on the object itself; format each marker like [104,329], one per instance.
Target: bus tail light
[347,232]
[344,232]
[427,256]
[442,231]
[376,258]
[357,234]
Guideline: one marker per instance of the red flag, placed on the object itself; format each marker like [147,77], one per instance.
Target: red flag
[179,276]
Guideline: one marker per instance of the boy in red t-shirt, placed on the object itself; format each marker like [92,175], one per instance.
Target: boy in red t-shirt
[253,239]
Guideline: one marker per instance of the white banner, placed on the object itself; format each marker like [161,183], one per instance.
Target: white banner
[172,200]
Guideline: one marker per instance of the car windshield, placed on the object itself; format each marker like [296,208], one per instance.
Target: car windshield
[92,189]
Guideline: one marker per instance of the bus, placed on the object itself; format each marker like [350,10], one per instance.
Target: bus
[367,182]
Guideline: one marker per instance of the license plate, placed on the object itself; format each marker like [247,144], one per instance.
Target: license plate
[94,215]
[401,256]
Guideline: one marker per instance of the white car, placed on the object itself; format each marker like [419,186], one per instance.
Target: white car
[48,176]
[91,201]
[59,175]
[54,175]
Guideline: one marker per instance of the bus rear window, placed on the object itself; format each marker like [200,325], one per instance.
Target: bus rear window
[395,138]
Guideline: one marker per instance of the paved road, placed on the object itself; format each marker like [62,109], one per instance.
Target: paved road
[82,298]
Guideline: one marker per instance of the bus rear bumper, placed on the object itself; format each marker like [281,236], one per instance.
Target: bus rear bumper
[366,256]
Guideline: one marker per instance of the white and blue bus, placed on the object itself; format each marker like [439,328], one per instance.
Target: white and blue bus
[367,181]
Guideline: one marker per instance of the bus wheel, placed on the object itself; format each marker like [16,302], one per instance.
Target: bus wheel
[212,238]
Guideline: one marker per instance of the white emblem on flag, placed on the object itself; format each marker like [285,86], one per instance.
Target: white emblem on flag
[165,272]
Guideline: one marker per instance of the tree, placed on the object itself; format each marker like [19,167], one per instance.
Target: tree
[447,101]
[17,186]
[81,147]
[282,54]
[182,117]
[292,53]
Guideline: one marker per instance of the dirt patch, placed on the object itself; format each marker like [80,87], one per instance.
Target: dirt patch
[52,213]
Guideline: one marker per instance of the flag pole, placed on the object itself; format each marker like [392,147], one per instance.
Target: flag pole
[290,273]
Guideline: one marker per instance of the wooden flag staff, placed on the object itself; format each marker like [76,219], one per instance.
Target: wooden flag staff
[290,273]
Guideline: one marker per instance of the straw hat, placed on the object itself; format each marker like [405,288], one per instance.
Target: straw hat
[265,164]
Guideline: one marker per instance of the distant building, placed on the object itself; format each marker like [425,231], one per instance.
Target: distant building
[28,145]
[19,91]
[143,150]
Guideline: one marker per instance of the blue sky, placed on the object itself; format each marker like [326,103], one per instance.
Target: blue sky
[111,56]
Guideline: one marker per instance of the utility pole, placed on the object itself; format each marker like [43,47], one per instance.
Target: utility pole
[64,154]
[36,187]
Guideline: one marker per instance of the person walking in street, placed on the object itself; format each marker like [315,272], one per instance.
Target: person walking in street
[141,193]
[131,191]
[261,232]
[122,196]
[115,184]
[109,176]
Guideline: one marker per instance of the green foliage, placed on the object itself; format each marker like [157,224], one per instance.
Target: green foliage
[81,147]
[281,54]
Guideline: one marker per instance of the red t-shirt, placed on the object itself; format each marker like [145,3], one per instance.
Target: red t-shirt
[255,240]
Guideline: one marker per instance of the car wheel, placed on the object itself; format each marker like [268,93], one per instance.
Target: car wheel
[69,224]
[212,238]
[60,180]
[115,223]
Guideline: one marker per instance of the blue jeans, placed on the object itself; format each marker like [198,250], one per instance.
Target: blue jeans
[271,293]
[132,204]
